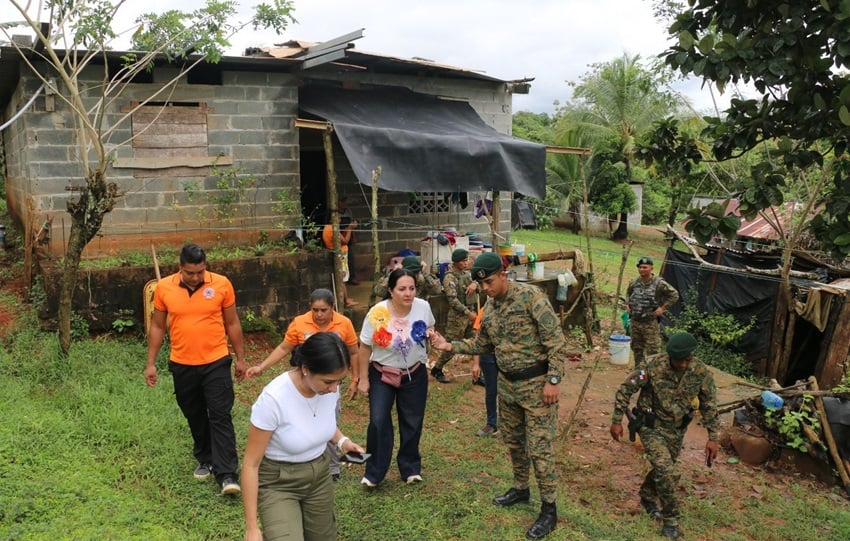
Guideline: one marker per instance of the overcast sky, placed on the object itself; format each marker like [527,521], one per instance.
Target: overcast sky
[552,41]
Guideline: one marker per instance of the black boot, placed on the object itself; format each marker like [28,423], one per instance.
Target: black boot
[512,497]
[651,508]
[438,375]
[545,523]
[670,532]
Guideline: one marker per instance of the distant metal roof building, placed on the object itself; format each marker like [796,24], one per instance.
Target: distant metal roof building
[761,227]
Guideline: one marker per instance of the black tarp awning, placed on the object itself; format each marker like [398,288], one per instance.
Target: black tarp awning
[424,143]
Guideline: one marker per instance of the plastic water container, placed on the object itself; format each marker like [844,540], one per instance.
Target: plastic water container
[619,345]
[536,270]
[771,401]
[519,249]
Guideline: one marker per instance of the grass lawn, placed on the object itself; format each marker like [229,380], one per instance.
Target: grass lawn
[88,451]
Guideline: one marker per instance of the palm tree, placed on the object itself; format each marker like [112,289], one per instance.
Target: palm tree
[616,101]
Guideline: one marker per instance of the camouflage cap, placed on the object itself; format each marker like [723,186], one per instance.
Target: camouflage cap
[411,263]
[486,264]
[460,255]
[681,345]
[644,261]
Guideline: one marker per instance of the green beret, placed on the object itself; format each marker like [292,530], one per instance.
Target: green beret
[486,264]
[644,261]
[460,255]
[681,345]
[411,263]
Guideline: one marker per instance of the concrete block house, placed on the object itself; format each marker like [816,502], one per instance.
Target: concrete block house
[236,150]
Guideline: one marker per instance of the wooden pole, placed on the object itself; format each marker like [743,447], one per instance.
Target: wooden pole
[333,205]
[615,321]
[830,440]
[548,256]
[376,174]
[495,220]
[566,432]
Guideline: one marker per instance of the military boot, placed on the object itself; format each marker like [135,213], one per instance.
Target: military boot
[545,523]
[670,532]
[440,376]
[651,508]
[512,497]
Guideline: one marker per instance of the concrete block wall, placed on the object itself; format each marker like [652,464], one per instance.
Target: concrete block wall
[276,287]
[251,119]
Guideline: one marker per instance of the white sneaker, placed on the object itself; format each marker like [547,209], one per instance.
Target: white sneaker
[367,483]
[414,479]
[229,486]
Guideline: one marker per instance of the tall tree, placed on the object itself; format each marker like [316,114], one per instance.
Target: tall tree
[794,54]
[78,35]
[674,154]
[615,103]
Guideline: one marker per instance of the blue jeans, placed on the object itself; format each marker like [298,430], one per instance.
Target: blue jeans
[410,407]
[491,378]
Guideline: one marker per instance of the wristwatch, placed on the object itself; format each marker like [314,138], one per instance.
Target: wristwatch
[554,380]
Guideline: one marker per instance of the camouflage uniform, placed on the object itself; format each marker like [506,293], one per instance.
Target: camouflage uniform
[458,324]
[426,285]
[522,330]
[645,298]
[669,395]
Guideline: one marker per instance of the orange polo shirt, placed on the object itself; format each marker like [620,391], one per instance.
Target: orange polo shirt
[328,239]
[303,327]
[196,324]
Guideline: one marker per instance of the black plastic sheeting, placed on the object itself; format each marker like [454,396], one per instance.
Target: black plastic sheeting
[424,143]
[743,296]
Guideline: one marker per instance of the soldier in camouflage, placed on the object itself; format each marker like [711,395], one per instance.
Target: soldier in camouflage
[426,283]
[521,328]
[649,296]
[458,287]
[664,409]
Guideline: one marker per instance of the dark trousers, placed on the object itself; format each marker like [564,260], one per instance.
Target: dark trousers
[410,408]
[491,378]
[205,396]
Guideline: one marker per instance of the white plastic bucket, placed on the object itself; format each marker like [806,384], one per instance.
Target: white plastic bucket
[620,346]
[519,249]
[538,271]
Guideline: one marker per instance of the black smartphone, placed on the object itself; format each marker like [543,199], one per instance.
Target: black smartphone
[356,458]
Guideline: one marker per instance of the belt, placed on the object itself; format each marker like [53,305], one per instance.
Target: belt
[538,369]
[412,368]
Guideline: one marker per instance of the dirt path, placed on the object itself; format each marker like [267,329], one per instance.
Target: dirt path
[596,465]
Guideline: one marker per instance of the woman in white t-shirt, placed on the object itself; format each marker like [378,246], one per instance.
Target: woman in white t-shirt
[285,471]
[394,338]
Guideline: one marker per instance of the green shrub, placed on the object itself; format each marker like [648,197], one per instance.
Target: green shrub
[718,334]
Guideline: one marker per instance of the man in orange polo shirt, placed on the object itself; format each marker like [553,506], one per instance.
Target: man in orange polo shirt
[199,308]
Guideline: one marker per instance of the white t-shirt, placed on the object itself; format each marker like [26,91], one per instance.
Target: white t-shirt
[298,434]
[403,351]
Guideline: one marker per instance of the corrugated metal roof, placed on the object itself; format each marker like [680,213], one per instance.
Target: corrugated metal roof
[760,228]
[285,57]
[358,60]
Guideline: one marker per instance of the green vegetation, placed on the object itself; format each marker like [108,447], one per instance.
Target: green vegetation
[789,423]
[91,452]
[718,335]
